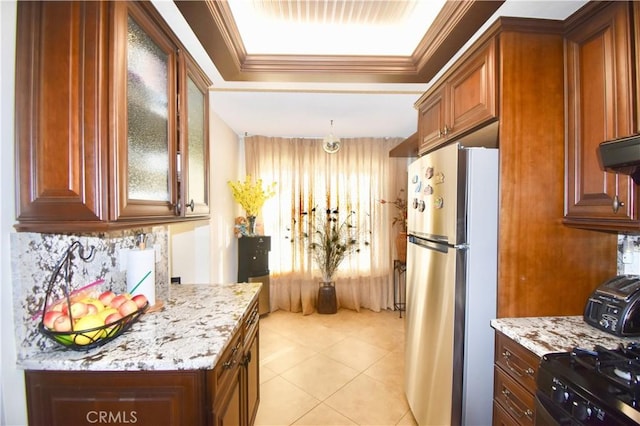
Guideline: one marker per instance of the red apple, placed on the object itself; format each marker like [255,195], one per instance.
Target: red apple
[50,318]
[62,323]
[118,300]
[91,309]
[76,297]
[78,310]
[112,318]
[106,297]
[140,300]
[58,307]
[127,308]
[95,302]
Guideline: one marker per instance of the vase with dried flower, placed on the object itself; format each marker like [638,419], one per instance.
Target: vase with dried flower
[329,241]
[400,203]
[251,196]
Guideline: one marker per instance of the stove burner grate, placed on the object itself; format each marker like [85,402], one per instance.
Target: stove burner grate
[620,366]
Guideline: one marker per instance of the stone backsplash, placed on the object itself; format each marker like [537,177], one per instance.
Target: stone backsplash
[629,254]
[35,256]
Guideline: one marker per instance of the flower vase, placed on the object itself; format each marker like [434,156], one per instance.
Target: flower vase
[251,225]
[327,300]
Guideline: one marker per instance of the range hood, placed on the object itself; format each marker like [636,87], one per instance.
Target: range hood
[621,156]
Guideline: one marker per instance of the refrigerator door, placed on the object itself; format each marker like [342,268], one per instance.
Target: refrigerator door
[429,336]
[435,210]
[452,287]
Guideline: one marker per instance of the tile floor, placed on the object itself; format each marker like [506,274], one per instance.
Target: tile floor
[341,369]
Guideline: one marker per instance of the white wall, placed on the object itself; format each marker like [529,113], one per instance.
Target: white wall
[227,160]
[205,252]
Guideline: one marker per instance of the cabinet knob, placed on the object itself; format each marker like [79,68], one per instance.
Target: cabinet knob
[617,204]
[445,131]
[191,205]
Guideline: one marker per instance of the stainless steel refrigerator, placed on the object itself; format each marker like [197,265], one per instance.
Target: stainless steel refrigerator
[451,285]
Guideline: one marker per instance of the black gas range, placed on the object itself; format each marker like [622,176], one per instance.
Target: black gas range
[590,387]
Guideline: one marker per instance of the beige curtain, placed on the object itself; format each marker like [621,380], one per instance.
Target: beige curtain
[355,178]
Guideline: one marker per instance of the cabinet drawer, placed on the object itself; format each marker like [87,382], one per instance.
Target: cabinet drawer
[229,362]
[513,398]
[520,363]
[501,417]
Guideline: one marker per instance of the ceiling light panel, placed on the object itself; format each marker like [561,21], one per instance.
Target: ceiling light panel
[333,27]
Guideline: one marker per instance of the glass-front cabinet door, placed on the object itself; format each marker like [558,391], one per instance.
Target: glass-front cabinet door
[194,119]
[145,98]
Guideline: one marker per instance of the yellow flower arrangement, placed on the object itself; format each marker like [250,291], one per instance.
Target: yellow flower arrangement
[251,195]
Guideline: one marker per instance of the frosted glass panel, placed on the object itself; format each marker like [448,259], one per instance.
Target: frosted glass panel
[147,117]
[196,152]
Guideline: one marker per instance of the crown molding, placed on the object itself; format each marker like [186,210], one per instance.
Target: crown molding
[213,24]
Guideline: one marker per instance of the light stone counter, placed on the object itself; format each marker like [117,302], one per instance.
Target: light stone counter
[189,333]
[542,335]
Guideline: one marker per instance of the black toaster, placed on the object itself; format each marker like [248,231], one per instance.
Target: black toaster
[615,306]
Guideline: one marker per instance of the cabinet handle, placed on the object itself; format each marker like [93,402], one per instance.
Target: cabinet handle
[246,360]
[513,406]
[515,369]
[191,205]
[446,131]
[229,363]
[252,319]
[617,204]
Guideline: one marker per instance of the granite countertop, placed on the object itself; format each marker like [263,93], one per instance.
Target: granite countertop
[542,335]
[189,333]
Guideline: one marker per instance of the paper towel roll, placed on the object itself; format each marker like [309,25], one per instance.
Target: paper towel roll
[141,266]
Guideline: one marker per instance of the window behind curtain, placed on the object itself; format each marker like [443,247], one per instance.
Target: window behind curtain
[355,178]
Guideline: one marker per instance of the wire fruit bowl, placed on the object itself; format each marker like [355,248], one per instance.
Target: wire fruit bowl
[86,338]
[83,340]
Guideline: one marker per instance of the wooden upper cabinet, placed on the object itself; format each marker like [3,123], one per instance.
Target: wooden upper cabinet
[600,106]
[431,121]
[61,111]
[143,116]
[471,92]
[194,133]
[463,102]
[98,88]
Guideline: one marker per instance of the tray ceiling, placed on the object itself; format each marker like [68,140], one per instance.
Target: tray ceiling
[396,41]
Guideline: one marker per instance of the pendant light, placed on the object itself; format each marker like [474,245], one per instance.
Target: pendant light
[331,144]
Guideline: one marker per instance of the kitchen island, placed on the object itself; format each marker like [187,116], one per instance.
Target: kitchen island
[193,362]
